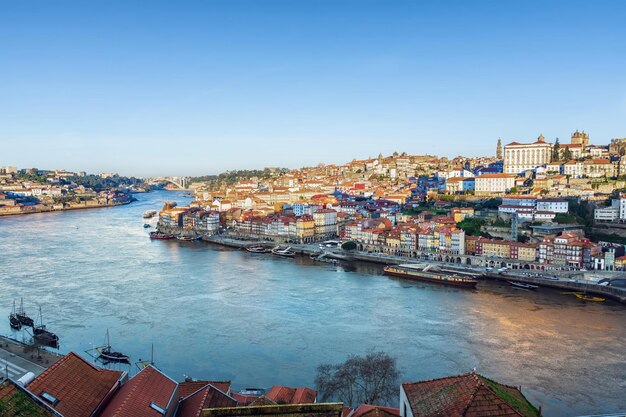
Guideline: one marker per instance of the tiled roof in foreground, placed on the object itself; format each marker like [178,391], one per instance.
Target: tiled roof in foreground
[469,395]
[75,387]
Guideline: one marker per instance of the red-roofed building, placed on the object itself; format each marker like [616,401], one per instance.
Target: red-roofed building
[368,410]
[189,387]
[469,395]
[207,396]
[150,393]
[286,395]
[75,387]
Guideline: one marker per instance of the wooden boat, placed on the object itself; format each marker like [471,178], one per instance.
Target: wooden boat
[148,214]
[429,273]
[43,335]
[522,285]
[283,252]
[162,236]
[106,354]
[14,321]
[24,319]
[257,249]
[589,298]
[187,238]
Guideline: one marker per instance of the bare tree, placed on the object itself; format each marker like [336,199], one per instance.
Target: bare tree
[369,379]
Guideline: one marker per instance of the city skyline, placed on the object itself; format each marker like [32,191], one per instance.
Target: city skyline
[218,86]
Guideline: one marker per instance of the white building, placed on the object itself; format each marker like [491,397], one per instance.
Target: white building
[555,205]
[493,183]
[520,157]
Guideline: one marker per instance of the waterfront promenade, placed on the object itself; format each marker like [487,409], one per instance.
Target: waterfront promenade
[565,280]
[17,359]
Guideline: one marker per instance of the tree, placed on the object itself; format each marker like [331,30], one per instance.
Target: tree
[567,155]
[349,245]
[555,150]
[370,379]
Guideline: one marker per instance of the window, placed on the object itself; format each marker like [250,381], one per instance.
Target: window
[158,408]
[51,399]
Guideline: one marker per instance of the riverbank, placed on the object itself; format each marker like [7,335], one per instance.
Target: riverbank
[568,280]
[32,353]
[41,208]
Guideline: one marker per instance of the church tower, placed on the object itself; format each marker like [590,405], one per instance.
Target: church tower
[499,149]
[580,138]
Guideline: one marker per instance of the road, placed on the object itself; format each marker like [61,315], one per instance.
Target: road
[15,367]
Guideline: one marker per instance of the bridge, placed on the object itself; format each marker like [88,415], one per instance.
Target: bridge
[179,182]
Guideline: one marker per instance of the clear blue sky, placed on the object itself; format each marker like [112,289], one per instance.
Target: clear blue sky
[195,87]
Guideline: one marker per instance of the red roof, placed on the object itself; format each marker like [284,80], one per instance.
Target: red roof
[243,399]
[135,398]
[189,387]
[468,395]
[206,397]
[375,411]
[79,386]
[285,395]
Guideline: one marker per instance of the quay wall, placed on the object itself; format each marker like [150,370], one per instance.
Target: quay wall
[40,208]
[573,285]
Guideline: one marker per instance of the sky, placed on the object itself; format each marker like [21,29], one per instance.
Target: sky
[150,88]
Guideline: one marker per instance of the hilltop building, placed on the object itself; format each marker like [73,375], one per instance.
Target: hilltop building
[520,157]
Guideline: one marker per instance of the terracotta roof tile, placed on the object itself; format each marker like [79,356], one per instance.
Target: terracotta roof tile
[468,395]
[79,386]
[206,397]
[286,395]
[375,411]
[189,387]
[135,397]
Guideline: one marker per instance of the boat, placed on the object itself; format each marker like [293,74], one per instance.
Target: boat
[589,298]
[107,354]
[24,319]
[146,225]
[14,321]
[187,238]
[257,249]
[283,252]
[158,235]
[429,273]
[43,335]
[148,214]
[522,285]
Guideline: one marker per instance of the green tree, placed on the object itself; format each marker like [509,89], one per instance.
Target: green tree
[471,225]
[555,150]
[567,155]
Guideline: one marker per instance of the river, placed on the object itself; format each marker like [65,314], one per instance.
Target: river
[259,320]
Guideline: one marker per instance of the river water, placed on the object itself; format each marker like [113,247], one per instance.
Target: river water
[259,320]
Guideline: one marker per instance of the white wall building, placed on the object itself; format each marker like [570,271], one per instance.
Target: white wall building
[493,183]
[519,157]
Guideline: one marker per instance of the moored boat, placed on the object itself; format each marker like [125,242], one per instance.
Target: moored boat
[148,214]
[522,285]
[187,238]
[257,249]
[43,335]
[429,273]
[283,252]
[24,319]
[158,235]
[107,354]
[589,298]
[14,321]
